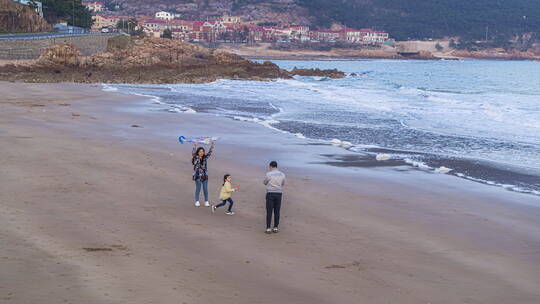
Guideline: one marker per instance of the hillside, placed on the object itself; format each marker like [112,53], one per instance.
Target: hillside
[285,11]
[404,19]
[15,17]
[433,19]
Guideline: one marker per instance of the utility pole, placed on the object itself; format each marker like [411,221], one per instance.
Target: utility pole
[487,29]
[73,12]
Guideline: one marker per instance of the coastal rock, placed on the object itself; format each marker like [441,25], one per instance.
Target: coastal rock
[64,54]
[20,18]
[149,60]
[334,73]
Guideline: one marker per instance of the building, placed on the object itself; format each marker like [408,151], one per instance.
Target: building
[371,36]
[38,5]
[230,19]
[94,6]
[68,29]
[164,15]
[105,21]
[351,35]
[155,24]
[179,34]
[325,35]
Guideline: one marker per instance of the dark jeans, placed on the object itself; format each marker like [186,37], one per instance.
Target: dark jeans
[223,202]
[273,205]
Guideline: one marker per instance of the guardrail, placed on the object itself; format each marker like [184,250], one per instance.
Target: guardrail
[52,35]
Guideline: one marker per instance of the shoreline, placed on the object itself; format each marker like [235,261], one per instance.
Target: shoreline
[483,171]
[76,174]
[262,52]
[348,58]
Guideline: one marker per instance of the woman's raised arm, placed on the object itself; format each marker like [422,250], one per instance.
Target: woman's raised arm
[211,149]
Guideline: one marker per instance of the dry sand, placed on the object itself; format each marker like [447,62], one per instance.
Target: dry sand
[94,210]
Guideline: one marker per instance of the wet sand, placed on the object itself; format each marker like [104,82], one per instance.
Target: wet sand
[96,210]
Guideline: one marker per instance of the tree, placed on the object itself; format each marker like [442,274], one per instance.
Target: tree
[72,11]
[167,34]
[439,47]
[419,19]
[452,44]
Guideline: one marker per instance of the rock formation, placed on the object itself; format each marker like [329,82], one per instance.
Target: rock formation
[18,18]
[148,60]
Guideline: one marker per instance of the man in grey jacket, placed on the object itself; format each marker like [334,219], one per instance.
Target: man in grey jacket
[274,181]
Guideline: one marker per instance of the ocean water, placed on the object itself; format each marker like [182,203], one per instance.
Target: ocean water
[478,120]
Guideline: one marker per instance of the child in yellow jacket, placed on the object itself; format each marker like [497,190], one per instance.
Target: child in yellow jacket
[225,195]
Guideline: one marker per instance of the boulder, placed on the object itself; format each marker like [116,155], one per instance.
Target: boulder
[64,54]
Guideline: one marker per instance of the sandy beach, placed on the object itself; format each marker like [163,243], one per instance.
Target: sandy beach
[96,205]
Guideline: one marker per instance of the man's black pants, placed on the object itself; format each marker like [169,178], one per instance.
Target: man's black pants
[273,205]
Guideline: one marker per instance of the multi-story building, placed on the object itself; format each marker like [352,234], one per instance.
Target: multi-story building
[154,25]
[230,19]
[371,36]
[325,35]
[105,21]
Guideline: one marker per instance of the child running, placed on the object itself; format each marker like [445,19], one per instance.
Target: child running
[225,195]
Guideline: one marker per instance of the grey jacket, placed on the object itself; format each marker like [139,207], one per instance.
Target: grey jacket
[274,181]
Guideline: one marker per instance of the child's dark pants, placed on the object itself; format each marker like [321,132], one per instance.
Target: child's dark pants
[223,202]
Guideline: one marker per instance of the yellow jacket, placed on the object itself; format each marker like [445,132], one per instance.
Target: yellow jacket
[226,191]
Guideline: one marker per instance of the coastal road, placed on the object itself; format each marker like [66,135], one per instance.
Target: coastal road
[33,36]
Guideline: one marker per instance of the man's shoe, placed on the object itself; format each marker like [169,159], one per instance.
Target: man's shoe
[213,208]
[197,204]
[229,213]
[275,230]
[206,204]
[268,230]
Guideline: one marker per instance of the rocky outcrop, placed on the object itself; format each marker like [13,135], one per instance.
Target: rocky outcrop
[148,60]
[64,54]
[18,18]
[318,72]
[499,54]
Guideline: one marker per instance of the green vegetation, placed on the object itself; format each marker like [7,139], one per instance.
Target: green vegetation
[167,34]
[420,19]
[71,11]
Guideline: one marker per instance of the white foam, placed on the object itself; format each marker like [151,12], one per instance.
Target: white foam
[190,111]
[418,164]
[108,88]
[346,144]
[509,187]
[443,170]
[383,156]
[249,119]
[335,142]
[299,135]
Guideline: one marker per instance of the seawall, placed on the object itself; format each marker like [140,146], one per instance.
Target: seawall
[20,49]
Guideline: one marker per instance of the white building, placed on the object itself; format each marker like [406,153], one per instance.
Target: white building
[164,15]
[374,36]
[94,6]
